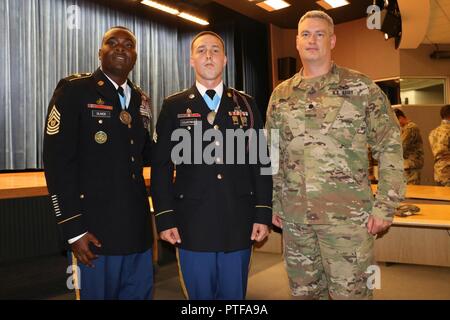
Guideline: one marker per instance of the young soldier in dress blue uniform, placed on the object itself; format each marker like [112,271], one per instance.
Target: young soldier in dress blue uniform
[214,210]
[96,143]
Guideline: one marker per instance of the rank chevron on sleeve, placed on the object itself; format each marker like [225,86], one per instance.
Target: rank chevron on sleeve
[53,121]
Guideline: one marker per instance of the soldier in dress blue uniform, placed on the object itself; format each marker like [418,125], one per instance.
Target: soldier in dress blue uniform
[97,140]
[214,210]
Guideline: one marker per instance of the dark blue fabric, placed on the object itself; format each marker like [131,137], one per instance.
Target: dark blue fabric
[215,275]
[127,277]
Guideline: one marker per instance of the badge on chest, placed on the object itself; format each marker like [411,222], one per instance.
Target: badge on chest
[189,118]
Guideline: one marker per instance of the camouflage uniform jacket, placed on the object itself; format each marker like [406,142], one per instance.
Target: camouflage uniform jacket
[440,145]
[325,126]
[412,146]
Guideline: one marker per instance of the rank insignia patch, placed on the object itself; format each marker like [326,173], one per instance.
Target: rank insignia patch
[54,119]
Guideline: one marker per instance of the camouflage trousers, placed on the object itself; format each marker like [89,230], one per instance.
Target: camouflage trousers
[412,176]
[328,261]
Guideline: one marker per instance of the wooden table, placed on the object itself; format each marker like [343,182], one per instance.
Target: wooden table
[32,184]
[418,239]
[424,192]
[25,218]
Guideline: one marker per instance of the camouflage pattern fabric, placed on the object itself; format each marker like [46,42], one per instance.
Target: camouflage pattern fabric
[315,253]
[325,125]
[412,152]
[440,145]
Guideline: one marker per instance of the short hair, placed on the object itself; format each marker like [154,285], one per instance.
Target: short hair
[318,14]
[203,33]
[445,112]
[399,113]
[118,27]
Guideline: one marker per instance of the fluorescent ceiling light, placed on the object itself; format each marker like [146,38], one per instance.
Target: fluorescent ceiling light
[331,4]
[272,5]
[175,12]
[192,18]
[160,6]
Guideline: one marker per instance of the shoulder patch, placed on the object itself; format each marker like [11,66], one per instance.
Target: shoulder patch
[78,76]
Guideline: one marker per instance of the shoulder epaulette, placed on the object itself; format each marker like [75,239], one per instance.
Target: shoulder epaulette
[176,93]
[141,92]
[77,76]
[241,92]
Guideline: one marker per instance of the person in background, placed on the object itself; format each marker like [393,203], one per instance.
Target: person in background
[440,146]
[412,145]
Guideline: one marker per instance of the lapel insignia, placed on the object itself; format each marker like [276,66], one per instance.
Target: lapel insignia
[229,94]
[53,122]
[100,101]
[101,83]
[191,96]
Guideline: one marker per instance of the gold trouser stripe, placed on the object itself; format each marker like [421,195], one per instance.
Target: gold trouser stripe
[249,265]
[75,276]
[183,285]
[267,207]
[162,212]
[76,216]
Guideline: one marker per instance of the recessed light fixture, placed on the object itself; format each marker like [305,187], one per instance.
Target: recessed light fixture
[192,18]
[175,12]
[161,7]
[273,5]
[331,4]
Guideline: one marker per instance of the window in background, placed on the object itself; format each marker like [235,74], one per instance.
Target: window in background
[422,90]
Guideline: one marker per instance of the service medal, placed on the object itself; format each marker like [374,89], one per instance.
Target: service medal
[101,137]
[125,117]
[211,116]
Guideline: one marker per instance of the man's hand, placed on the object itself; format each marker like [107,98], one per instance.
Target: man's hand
[276,221]
[260,231]
[376,225]
[80,249]
[170,235]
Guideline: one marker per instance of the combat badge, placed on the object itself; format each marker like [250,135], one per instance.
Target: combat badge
[125,117]
[54,120]
[101,137]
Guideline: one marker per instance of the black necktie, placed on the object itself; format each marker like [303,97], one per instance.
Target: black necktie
[122,97]
[211,93]
[121,92]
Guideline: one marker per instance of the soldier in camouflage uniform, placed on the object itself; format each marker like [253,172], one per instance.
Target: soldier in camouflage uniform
[440,145]
[412,148]
[326,116]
